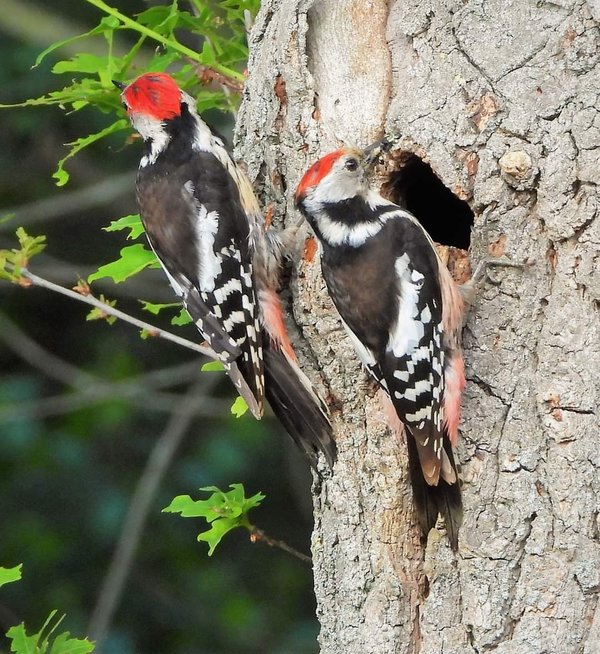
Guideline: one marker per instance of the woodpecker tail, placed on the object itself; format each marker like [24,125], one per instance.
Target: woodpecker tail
[297,405]
[442,498]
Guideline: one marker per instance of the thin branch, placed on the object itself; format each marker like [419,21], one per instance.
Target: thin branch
[158,462]
[38,357]
[90,388]
[170,43]
[258,536]
[60,404]
[151,284]
[111,311]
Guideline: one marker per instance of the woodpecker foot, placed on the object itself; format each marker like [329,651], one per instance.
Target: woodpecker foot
[291,239]
[482,272]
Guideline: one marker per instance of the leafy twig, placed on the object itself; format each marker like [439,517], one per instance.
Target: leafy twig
[112,311]
[171,43]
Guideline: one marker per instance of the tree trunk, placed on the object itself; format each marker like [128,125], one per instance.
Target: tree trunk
[501,99]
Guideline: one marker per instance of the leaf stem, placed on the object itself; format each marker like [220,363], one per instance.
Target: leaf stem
[171,43]
[258,535]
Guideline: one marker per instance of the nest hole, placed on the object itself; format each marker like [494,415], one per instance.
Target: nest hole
[415,187]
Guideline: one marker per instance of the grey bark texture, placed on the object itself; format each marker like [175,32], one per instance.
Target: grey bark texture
[501,98]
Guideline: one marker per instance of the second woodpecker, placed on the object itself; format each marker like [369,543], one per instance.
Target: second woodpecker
[403,314]
[204,224]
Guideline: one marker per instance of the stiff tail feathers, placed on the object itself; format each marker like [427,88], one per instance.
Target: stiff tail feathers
[431,500]
[297,406]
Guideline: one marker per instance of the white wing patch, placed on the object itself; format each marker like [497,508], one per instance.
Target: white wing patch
[408,331]
[209,261]
[421,414]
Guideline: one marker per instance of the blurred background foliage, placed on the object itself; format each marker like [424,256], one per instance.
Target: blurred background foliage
[84,406]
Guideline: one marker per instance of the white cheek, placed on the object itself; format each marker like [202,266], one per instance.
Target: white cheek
[150,129]
[335,188]
[147,126]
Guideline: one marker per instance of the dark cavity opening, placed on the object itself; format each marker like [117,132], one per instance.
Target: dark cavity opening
[415,187]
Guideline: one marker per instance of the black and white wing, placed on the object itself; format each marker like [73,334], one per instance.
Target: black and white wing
[196,226]
[413,361]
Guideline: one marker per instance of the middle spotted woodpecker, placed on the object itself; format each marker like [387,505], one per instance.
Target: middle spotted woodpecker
[403,314]
[204,224]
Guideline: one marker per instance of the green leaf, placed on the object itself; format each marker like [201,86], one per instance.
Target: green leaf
[13,261]
[222,511]
[30,245]
[8,575]
[81,63]
[132,222]
[133,259]
[99,314]
[182,318]
[239,407]
[212,366]
[21,642]
[61,175]
[218,529]
[40,643]
[64,644]
[155,309]
[108,23]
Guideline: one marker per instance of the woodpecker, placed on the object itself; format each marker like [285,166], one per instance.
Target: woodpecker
[204,224]
[403,314]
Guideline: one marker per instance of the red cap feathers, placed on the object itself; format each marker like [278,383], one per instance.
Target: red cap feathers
[317,171]
[153,94]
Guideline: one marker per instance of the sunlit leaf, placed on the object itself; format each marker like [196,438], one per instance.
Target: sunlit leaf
[223,511]
[21,642]
[157,308]
[39,643]
[61,176]
[212,366]
[218,529]
[8,575]
[182,318]
[133,259]
[64,644]
[239,407]
[81,63]
[132,222]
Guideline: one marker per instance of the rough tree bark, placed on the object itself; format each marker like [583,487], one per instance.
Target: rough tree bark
[501,98]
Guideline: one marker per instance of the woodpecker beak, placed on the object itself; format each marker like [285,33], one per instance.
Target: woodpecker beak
[119,85]
[373,152]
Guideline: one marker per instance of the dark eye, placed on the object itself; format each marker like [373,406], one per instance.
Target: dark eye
[351,164]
